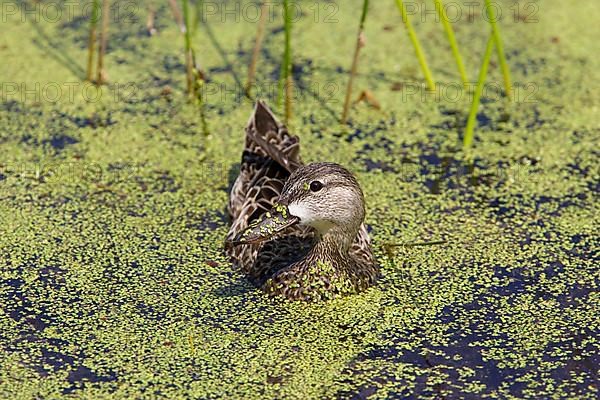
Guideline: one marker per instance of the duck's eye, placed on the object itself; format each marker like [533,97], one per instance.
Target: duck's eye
[315,186]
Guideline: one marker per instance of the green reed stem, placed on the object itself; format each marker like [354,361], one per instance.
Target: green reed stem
[439,7]
[194,76]
[499,48]
[199,85]
[468,136]
[196,17]
[285,81]
[101,73]
[92,40]
[260,33]
[353,69]
[189,59]
[177,15]
[416,244]
[416,45]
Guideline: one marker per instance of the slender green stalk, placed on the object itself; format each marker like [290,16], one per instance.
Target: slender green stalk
[177,15]
[189,59]
[285,78]
[194,76]
[260,33]
[150,21]
[439,7]
[416,45]
[359,45]
[499,48]
[363,16]
[198,89]
[468,136]
[102,76]
[289,93]
[196,17]
[416,244]
[92,40]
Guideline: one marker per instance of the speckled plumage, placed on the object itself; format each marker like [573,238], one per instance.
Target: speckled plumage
[302,262]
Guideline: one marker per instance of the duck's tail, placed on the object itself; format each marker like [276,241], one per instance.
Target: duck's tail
[268,137]
[270,155]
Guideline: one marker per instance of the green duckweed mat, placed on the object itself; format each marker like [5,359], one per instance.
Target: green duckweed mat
[113,282]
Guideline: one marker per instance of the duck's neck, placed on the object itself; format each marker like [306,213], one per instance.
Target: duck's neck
[332,245]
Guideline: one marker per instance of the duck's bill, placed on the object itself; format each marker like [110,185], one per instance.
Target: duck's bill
[267,226]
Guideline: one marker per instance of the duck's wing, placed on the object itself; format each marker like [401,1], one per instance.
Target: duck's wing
[361,247]
[270,155]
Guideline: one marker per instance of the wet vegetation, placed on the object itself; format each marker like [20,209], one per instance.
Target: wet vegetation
[113,282]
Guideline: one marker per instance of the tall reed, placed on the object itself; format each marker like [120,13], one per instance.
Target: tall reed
[150,28]
[92,40]
[491,14]
[285,77]
[194,76]
[439,7]
[260,32]
[469,129]
[415,41]
[102,75]
[177,15]
[359,44]
[189,59]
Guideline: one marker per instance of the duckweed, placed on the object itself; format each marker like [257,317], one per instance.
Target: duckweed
[113,281]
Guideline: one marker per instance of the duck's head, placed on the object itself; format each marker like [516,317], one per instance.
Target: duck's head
[325,196]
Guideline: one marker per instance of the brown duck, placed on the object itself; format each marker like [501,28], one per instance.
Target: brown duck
[297,230]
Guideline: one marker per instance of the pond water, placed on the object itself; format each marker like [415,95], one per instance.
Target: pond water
[113,281]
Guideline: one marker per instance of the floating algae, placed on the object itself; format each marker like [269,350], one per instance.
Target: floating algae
[111,258]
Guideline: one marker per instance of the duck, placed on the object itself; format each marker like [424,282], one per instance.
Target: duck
[297,230]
